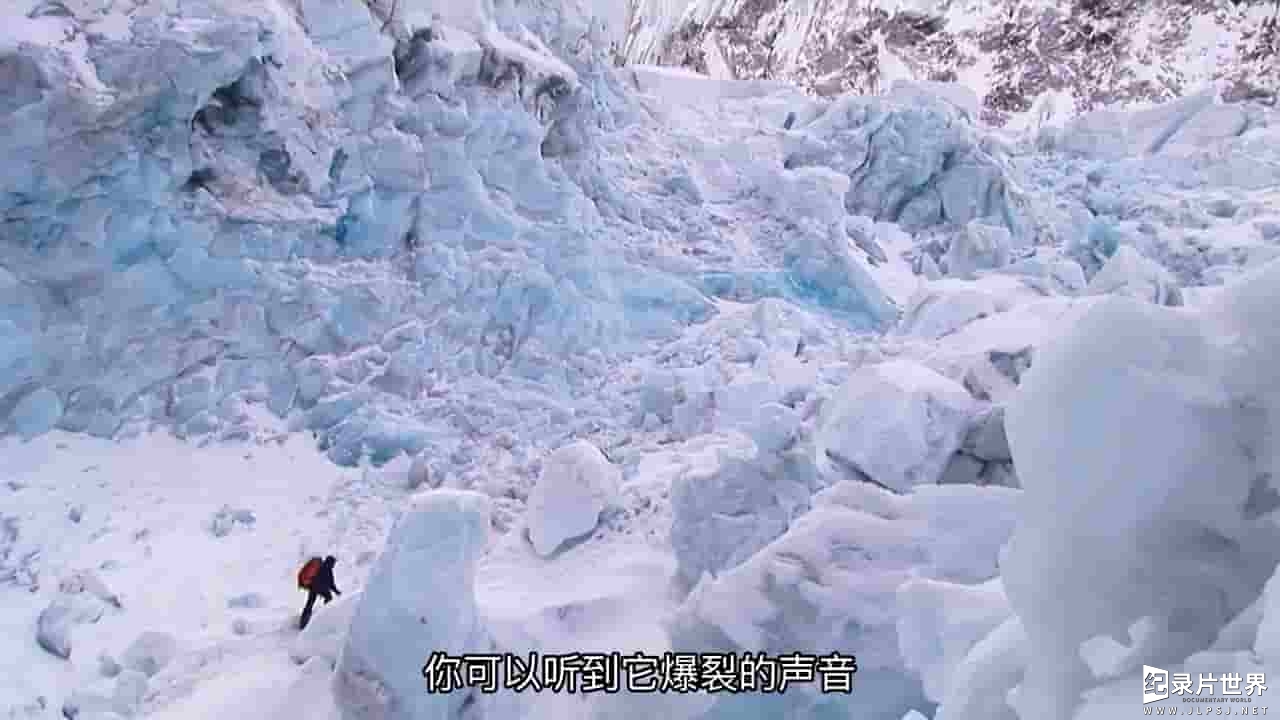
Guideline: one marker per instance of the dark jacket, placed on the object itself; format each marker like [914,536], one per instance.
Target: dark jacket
[323,583]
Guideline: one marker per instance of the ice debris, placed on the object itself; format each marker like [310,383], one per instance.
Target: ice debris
[896,424]
[577,483]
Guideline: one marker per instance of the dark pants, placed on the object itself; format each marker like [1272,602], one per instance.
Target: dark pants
[311,602]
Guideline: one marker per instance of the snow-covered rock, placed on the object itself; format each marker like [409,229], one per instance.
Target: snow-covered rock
[419,598]
[1002,61]
[896,423]
[577,483]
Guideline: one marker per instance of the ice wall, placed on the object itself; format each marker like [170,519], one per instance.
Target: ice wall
[216,204]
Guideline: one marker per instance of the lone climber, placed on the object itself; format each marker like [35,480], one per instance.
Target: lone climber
[316,577]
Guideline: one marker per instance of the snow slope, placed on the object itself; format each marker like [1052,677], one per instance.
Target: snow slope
[292,278]
[1024,62]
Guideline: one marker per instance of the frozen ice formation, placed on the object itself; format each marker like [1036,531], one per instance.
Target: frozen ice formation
[578,482]
[364,225]
[919,164]
[456,233]
[1123,421]
[895,423]
[832,581]
[940,624]
[436,544]
[207,186]
[726,511]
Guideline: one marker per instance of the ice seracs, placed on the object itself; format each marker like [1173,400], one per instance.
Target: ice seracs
[396,625]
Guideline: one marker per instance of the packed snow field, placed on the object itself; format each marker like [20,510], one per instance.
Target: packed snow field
[561,357]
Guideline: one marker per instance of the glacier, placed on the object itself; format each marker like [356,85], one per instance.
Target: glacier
[564,357]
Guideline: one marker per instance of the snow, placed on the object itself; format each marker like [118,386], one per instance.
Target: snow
[576,486]
[1177,126]
[150,652]
[959,96]
[680,86]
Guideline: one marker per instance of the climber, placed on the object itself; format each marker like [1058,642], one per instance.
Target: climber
[316,577]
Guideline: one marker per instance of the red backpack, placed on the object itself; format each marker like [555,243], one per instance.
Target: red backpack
[308,573]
